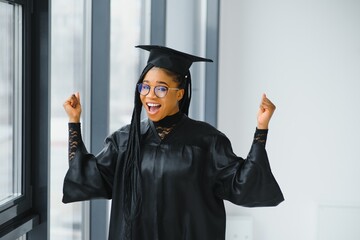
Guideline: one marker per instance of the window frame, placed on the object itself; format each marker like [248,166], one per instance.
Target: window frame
[22,215]
[19,205]
[16,127]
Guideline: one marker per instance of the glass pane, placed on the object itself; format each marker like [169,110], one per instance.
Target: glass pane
[67,76]
[127,31]
[10,98]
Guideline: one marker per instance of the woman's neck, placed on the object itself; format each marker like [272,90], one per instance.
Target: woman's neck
[169,121]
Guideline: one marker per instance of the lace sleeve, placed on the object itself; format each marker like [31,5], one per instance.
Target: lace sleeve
[74,139]
[260,136]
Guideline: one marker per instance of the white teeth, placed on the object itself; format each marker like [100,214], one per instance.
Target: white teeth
[153,104]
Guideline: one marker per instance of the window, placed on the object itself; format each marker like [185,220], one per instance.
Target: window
[69,63]
[15,125]
[10,98]
[128,29]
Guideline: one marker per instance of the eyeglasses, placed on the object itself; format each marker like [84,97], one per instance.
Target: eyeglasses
[160,91]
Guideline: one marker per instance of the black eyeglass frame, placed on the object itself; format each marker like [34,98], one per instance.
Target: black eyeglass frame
[140,88]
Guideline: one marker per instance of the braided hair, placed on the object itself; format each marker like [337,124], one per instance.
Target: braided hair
[132,174]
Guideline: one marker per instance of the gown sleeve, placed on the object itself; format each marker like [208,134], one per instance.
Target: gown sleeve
[247,182]
[88,176]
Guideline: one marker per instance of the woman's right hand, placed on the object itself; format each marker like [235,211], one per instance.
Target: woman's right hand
[72,107]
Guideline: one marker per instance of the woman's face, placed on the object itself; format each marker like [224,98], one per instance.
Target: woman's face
[158,108]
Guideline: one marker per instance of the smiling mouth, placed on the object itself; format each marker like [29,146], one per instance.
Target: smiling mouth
[153,107]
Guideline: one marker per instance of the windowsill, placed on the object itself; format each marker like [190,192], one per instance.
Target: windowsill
[18,227]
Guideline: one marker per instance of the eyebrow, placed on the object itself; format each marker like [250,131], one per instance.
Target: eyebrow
[161,82]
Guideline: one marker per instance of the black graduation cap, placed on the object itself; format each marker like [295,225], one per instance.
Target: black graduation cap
[171,59]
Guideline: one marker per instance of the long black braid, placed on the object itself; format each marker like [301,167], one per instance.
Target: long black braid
[132,177]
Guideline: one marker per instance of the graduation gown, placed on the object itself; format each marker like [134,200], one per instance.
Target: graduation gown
[185,178]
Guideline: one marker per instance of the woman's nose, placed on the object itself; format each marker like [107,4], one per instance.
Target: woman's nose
[151,93]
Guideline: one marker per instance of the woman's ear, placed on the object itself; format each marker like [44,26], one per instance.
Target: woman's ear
[180,94]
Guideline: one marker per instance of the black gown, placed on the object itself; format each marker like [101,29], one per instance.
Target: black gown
[185,178]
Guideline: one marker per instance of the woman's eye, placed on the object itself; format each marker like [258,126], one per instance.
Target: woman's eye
[162,89]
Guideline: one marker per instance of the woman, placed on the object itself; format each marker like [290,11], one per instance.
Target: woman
[168,175]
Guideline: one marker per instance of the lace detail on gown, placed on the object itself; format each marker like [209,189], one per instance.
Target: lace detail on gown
[164,131]
[167,124]
[260,136]
[74,139]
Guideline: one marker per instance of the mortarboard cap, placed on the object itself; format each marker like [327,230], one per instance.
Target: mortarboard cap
[170,59]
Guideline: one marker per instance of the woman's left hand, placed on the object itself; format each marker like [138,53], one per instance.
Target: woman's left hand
[265,112]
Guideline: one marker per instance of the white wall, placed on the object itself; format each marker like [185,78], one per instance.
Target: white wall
[305,55]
